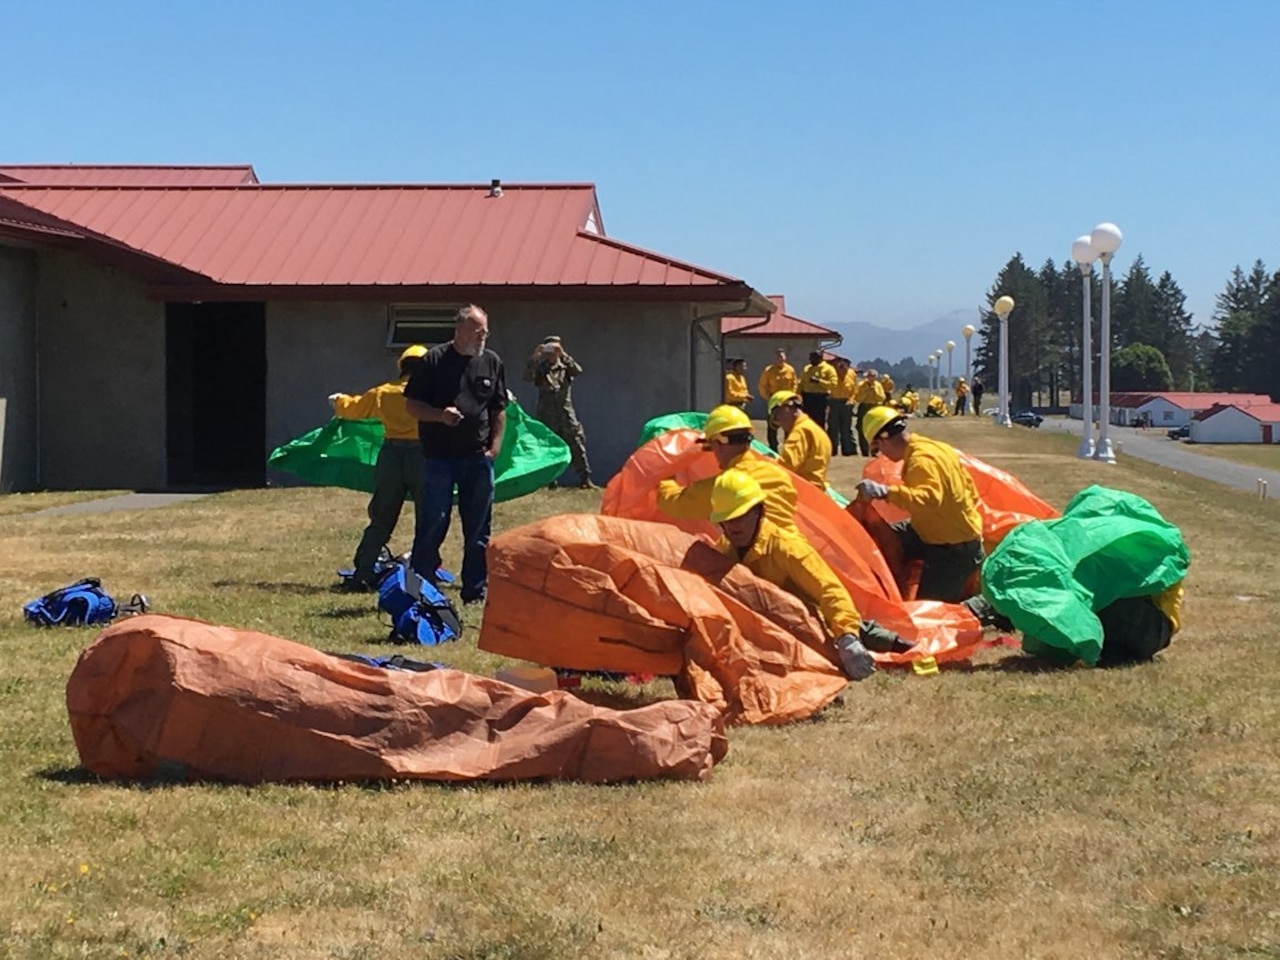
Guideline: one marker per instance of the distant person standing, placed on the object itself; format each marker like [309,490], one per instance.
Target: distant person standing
[817,380]
[870,394]
[776,377]
[399,466]
[839,411]
[458,394]
[887,385]
[736,393]
[978,388]
[553,371]
[962,397]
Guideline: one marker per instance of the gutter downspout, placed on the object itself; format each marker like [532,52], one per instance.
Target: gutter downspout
[695,330]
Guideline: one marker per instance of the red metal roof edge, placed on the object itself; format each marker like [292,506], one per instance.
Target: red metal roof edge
[1251,411]
[816,329]
[267,187]
[212,291]
[659,257]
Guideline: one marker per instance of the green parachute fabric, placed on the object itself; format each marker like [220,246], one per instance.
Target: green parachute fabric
[692,420]
[342,453]
[1051,577]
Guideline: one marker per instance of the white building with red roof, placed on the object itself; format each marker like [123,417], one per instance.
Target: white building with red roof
[1234,423]
[165,327]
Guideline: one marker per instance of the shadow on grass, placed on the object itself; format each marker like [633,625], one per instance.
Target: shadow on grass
[283,587]
[79,776]
[345,613]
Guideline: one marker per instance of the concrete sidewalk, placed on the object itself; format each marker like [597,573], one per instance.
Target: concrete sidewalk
[1154,447]
[125,501]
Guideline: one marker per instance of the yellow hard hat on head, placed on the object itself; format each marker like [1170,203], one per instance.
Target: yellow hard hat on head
[877,419]
[781,397]
[733,494]
[723,419]
[415,352]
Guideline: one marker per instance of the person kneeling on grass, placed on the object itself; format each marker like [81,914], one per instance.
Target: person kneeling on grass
[945,529]
[728,434]
[789,562]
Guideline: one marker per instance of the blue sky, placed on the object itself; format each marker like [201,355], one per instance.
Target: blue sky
[874,161]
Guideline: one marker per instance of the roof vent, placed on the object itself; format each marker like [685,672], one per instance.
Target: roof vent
[495,187]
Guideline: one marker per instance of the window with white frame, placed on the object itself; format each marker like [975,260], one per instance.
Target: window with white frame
[427,324]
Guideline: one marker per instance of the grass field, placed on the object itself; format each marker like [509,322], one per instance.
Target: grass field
[1262,455]
[999,811]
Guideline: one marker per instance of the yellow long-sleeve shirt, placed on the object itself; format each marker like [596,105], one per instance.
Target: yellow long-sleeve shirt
[818,378]
[777,376]
[694,501]
[938,492]
[869,391]
[846,385]
[386,402]
[735,388]
[887,385]
[788,561]
[807,451]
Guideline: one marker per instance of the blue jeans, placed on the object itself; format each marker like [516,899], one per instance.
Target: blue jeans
[473,476]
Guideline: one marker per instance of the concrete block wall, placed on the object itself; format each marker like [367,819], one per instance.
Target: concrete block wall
[17,369]
[758,352]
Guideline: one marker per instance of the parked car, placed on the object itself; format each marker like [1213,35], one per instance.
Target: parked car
[1027,418]
[1180,433]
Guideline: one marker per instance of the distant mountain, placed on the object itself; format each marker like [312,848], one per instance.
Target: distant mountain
[866,341]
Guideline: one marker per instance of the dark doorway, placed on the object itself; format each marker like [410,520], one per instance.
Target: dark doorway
[216,394]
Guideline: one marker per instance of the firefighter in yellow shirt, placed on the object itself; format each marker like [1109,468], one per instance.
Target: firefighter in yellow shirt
[945,529]
[778,375]
[735,384]
[789,562]
[727,433]
[817,380]
[887,385]
[962,397]
[839,411]
[869,394]
[399,467]
[806,450]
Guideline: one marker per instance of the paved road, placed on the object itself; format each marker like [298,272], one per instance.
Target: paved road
[125,501]
[1155,447]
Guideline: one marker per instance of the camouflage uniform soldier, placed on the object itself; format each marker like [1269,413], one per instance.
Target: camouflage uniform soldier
[552,370]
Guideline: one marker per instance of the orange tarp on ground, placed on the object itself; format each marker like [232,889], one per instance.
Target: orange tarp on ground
[176,698]
[941,630]
[605,593]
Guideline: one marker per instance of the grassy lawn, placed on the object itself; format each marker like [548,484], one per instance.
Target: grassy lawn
[994,811]
[12,504]
[1265,455]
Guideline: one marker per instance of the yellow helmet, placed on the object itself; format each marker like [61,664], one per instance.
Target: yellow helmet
[877,419]
[723,419]
[733,494]
[415,352]
[781,397]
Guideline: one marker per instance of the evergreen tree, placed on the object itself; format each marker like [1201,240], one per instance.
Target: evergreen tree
[1028,332]
[1238,309]
[1140,366]
[1133,308]
[1174,332]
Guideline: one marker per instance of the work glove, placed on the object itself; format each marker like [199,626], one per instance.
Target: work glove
[855,659]
[882,639]
[872,490]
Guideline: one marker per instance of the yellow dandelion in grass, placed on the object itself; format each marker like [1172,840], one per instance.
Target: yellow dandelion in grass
[84,869]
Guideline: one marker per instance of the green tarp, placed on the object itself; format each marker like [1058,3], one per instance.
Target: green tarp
[342,453]
[692,420]
[1051,577]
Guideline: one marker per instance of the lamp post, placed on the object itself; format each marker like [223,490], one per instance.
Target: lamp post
[933,372]
[967,331]
[951,345]
[1083,254]
[1003,307]
[1106,239]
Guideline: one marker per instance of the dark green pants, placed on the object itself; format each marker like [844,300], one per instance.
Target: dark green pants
[840,427]
[398,472]
[947,566]
[862,441]
[564,424]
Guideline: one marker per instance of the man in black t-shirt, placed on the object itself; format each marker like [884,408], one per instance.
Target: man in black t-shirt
[458,394]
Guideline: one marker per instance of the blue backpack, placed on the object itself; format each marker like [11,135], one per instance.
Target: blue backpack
[80,604]
[419,612]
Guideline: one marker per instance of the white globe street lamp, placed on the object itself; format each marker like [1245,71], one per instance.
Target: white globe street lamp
[1003,307]
[967,331]
[1106,239]
[1083,253]
[951,345]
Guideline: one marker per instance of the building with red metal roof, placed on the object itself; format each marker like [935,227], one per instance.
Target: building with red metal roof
[177,323]
[758,339]
[1237,423]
